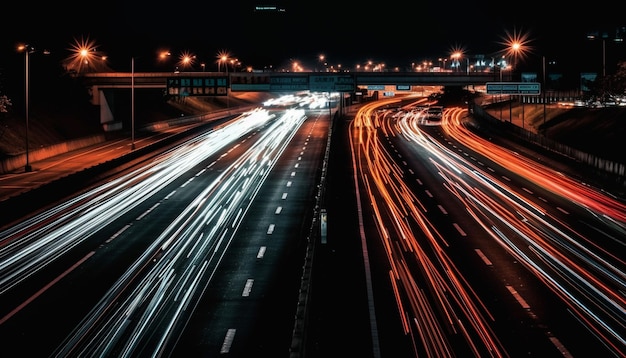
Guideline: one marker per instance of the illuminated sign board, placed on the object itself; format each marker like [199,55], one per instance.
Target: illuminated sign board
[331,83]
[525,88]
[200,86]
[289,83]
[279,82]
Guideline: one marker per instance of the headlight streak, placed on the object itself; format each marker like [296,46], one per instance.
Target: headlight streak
[159,312]
[36,243]
[546,177]
[392,201]
[590,280]
[571,256]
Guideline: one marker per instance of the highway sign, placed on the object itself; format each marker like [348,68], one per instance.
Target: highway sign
[525,88]
[331,83]
[289,83]
[196,86]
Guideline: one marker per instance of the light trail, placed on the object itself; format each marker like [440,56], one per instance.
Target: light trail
[146,310]
[431,293]
[589,279]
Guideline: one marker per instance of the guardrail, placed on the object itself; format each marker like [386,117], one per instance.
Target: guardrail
[609,170]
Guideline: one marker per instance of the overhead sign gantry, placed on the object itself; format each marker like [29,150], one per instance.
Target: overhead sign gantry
[511,88]
[277,82]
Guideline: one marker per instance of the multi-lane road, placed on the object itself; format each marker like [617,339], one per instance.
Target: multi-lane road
[198,251]
[488,252]
[439,242]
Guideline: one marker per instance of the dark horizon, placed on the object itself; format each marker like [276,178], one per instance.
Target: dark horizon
[346,34]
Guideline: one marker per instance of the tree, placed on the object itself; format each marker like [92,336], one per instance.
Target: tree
[610,87]
[5,102]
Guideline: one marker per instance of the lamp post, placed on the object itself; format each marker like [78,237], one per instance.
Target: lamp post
[227,85]
[603,55]
[132,103]
[455,57]
[223,57]
[27,51]
[543,90]
[500,104]
[618,38]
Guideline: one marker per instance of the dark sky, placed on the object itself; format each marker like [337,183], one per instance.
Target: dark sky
[346,32]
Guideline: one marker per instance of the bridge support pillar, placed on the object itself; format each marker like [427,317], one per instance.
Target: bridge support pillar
[101,98]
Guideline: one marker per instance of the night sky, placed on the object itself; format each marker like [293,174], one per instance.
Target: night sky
[346,32]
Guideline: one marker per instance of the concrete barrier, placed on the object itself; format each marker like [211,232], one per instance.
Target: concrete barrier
[10,164]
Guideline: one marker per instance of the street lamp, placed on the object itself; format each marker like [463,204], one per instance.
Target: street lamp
[227,84]
[27,51]
[543,90]
[162,55]
[455,57]
[594,36]
[223,57]
[132,103]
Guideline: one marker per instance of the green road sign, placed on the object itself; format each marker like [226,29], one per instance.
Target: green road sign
[525,88]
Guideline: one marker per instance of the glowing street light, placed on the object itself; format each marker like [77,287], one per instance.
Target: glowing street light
[186,60]
[517,46]
[456,56]
[224,56]
[85,57]
[27,49]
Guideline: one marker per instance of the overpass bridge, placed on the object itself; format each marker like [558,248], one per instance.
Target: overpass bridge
[284,81]
[102,85]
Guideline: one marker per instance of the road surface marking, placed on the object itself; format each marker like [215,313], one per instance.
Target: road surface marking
[483,257]
[228,340]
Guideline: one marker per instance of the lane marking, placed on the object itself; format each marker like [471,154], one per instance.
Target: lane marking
[518,297]
[228,340]
[483,257]
[458,228]
[247,288]
[261,252]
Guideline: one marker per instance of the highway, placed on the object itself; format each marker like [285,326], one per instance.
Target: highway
[441,242]
[475,235]
[216,225]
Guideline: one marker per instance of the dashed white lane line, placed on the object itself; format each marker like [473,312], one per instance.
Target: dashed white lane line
[483,257]
[247,288]
[228,340]
[518,297]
